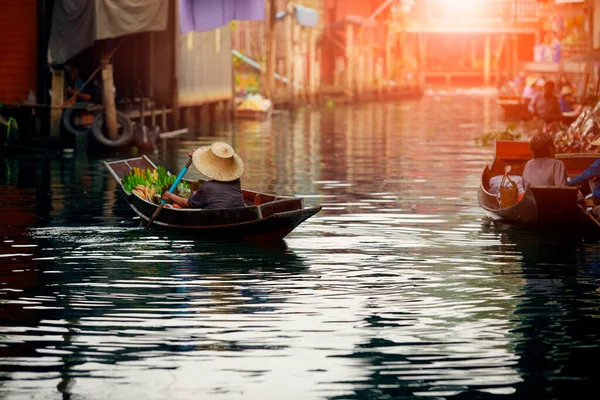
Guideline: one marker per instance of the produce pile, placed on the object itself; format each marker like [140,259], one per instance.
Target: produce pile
[487,139]
[577,137]
[151,184]
[255,103]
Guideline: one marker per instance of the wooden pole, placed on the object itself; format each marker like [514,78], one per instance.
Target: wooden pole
[271,50]
[515,56]
[362,60]
[153,109]
[473,53]
[108,96]
[497,58]
[312,60]
[349,60]
[370,68]
[289,50]
[422,39]
[57,100]
[487,59]
[388,59]
[151,64]
[508,68]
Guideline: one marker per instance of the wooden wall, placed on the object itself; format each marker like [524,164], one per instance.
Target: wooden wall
[18,41]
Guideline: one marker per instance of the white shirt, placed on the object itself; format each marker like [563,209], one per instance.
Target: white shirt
[545,172]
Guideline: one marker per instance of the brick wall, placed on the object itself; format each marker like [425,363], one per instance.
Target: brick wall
[18,44]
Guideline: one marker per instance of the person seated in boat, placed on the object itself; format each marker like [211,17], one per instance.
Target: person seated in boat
[519,82]
[564,81]
[544,169]
[567,101]
[533,87]
[591,173]
[546,105]
[223,167]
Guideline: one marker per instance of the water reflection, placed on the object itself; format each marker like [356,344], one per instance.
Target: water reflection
[558,330]
[397,289]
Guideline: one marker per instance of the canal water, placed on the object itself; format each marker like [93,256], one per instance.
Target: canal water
[398,288]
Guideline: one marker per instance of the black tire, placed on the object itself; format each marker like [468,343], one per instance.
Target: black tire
[68,115]
[125,130]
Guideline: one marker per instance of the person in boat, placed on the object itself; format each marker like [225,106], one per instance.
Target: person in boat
[545,105]
[76,87]
[564,81]
[544,169]
[533,87]
[591,173]
[567,102]
[223,167]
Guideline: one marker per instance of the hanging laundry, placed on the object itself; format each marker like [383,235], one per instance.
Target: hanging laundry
[206,15]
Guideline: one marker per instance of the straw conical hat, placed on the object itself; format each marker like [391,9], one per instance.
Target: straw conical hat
[219,162]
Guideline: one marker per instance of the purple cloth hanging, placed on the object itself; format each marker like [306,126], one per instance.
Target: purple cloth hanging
[206,15]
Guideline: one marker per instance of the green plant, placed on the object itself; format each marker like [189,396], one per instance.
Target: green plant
[487,139]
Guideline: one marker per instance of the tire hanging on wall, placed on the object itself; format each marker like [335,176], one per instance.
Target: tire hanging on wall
[68,115]
[125,131]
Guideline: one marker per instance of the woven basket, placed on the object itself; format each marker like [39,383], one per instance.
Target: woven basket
[509,193]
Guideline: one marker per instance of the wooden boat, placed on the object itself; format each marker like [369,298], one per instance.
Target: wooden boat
[404,92]
[540,205]
[254,114]
[266,217]
[514,107]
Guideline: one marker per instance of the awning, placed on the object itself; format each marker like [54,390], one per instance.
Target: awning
[206,15]
[123,17]
[77,24]
[304,16]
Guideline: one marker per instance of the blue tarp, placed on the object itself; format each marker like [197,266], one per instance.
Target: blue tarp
[206,15]
[304,15]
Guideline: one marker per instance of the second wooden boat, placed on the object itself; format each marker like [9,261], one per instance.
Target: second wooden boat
[540,205]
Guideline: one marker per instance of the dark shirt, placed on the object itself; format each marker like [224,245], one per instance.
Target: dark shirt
[78,85]
[591,172]
[546,107]
[215,194]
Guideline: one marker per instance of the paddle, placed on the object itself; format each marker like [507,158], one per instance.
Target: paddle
[171,189]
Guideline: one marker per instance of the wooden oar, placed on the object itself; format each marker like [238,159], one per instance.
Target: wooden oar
[171,189]
[592,218]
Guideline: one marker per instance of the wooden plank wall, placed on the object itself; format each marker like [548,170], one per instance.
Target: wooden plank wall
[204,67]
[18,41]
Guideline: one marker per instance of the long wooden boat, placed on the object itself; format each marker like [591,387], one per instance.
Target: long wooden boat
[253,114]
[265,218]
[514,107]
[540,205]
